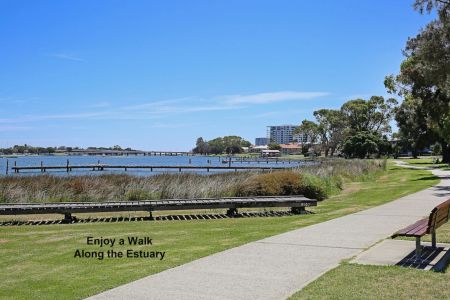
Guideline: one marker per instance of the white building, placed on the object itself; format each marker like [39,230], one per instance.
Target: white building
[283,134]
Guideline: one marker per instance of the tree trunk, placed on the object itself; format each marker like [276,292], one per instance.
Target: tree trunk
[445,153]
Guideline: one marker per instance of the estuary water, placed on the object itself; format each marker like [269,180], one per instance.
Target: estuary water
[61,160]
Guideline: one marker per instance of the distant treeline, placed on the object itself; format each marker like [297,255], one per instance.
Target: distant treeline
[21,149]
[222,145]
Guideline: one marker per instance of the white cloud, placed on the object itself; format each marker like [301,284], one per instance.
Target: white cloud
[66,56]
[266,98]
[15,128]
[165,108]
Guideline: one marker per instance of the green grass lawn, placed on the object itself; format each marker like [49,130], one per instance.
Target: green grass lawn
[351,281]
[37,261]
[426,162]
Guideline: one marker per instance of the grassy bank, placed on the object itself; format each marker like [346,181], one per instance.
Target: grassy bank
[426,162]
[350,281]
[315,181]
[37,261]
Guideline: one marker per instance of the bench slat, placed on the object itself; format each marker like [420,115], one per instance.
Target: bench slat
[416,229]
[439,216]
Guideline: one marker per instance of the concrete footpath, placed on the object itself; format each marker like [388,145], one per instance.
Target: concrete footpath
[277,267]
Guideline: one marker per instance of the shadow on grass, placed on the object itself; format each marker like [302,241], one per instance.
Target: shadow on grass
[431,178]
[156,218]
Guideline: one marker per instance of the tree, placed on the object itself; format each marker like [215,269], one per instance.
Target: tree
[274,146]
[361,145]
[228,144]
[425,75]
[413,128]
[331,125]
[233,144]
[201,146]
[372,115]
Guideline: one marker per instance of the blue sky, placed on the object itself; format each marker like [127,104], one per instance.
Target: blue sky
[156,75]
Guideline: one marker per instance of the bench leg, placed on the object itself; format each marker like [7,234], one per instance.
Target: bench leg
[418,248]
[231,212]
[433,239]
[68,218]
[298,210]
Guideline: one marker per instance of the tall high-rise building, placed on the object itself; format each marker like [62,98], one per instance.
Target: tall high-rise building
[261,141]
[283,134]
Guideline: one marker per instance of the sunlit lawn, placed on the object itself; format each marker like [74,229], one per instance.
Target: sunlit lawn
[426,162]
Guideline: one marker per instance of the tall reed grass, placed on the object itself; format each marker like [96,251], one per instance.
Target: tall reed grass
[314,181]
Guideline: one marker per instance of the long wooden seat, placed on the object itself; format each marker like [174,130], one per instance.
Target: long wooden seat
[438,217]
[297,203]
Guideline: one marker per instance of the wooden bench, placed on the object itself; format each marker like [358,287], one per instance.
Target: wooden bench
[297,203]
[438,216]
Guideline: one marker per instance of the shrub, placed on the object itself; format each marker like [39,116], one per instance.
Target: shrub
[315,187]
[287,183]
[271,184]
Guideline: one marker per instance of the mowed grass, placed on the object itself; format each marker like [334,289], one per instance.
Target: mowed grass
[426,162]
[351,281]
[37,261]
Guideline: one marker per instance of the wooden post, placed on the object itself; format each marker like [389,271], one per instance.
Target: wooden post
[7,166]
[42,169]
[15,165]
[67,166]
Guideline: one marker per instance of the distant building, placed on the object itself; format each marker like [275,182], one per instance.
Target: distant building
[261,141]
[291,148]
[270,153]
[283,134]
[301,138]
[258,149]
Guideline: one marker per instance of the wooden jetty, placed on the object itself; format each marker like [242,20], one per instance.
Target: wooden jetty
[297,204]
[259,160]
[101,167]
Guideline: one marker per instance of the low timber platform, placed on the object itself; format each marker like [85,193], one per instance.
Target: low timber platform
[297,204]
[102,167]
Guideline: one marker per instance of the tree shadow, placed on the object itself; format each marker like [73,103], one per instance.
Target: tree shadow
[426,178]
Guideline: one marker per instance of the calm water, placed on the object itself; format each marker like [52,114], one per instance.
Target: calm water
[125,160]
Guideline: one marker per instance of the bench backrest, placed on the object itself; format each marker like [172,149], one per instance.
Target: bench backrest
[439,216]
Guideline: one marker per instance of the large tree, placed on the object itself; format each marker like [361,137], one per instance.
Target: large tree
[371,115]
[310,131]
[425,73]
[331,125]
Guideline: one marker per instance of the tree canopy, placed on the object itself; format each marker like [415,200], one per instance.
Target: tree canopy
[425,77]
[227,144]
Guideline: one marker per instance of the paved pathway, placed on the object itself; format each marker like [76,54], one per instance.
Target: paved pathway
[278,266]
